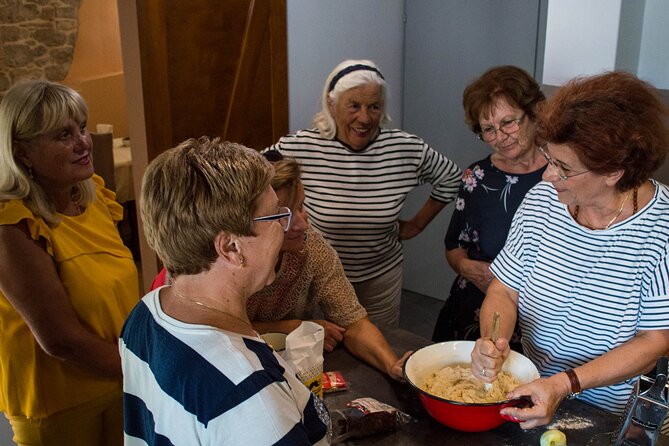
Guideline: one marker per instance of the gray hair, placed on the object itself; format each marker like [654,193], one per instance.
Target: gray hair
[323,120]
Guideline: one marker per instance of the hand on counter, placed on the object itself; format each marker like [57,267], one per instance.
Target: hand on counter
[334,334]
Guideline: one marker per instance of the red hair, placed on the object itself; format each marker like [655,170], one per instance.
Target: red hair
[613,121]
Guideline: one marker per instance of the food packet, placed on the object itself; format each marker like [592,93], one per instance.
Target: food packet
[363,417]
[334,382]
[304,351]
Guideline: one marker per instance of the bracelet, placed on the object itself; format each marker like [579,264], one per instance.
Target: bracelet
[575,384]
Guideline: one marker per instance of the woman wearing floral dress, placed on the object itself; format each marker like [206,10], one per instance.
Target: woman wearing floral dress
[500,110]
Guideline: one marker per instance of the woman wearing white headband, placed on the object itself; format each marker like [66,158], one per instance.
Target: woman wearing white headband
[356,178]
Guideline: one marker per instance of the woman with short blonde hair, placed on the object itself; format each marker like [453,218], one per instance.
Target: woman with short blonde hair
[195,370]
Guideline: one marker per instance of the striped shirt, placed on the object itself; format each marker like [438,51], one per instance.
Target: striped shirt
[583,292]
[187,384]
[354,198]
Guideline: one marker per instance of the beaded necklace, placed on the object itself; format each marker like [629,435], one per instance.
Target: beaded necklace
[615,217]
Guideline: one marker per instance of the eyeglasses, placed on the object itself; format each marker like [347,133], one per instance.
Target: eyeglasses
[558,169]
[285,215]
[489,133]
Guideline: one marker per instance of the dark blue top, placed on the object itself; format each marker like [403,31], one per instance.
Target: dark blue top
[487,200]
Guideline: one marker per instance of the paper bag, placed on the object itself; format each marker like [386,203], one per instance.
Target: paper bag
[304,351]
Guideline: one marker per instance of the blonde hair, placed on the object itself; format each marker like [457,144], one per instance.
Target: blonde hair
[323,120]
[193,192]
[28,110]
[287,173]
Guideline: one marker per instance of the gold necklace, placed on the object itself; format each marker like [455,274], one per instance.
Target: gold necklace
[615,217]
[216,310]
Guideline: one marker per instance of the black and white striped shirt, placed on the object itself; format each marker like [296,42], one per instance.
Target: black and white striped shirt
[354,198]
[581,292]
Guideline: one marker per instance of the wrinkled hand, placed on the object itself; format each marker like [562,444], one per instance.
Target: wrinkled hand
[396,370]
[334,334]
[489,357]
[546,395]
[408,230]
[477,272]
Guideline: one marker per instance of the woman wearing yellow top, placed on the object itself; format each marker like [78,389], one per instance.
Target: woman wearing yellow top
[67,282]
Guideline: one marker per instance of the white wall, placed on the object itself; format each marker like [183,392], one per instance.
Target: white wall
[585,37]
[581,38]
[322,33]
[654,53]
[6,433]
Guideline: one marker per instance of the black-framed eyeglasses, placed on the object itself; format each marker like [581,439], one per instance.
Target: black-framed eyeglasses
[489,133]
[558,169]
[285,215]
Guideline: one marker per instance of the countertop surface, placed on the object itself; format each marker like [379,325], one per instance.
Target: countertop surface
[582,423]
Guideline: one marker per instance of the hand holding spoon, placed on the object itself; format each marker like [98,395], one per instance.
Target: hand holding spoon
[493,338]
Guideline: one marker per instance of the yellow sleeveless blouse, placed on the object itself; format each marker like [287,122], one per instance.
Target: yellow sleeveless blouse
[100,277]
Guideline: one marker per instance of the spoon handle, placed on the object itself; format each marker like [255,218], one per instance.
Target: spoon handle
[495,327]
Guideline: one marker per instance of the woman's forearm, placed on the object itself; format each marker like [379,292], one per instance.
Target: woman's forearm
[633,358]
[89,352]
[455,257]
[365,341]
[503,300]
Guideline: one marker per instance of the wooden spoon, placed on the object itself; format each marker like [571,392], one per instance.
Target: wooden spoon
[493,338]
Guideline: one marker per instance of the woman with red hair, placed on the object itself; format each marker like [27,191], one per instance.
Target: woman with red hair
[585,269]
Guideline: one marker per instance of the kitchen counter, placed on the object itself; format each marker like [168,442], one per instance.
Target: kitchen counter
[582,423]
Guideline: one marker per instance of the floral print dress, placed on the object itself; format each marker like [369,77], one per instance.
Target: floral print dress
[487,200]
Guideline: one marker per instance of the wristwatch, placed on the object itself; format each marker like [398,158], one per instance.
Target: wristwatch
[575,384]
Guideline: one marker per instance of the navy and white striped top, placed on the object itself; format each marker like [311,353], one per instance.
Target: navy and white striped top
[354,198]
[186,384]
[583,292]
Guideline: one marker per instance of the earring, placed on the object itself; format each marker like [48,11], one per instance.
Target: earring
[30,172]
[241,261]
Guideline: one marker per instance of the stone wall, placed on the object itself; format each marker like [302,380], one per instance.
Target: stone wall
[38,38]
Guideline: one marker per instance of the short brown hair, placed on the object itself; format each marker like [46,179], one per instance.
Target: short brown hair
[193,192]
[613,121]
[507,82]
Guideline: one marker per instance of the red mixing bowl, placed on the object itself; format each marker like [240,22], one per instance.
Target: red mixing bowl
[468,417]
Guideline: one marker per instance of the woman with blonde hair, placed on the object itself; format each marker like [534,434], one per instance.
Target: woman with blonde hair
[67,282]
[310,281]
[195,370]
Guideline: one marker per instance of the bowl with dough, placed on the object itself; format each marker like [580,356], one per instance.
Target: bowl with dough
[441,375]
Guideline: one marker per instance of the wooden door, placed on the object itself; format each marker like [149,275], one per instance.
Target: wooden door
[216,68]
